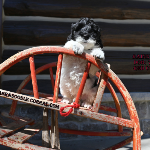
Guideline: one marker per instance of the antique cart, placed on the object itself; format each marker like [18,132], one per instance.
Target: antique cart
[17,140]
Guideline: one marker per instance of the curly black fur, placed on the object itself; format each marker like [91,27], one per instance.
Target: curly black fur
[86,28]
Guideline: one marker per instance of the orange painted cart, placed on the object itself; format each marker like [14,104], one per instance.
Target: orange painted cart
[17,140]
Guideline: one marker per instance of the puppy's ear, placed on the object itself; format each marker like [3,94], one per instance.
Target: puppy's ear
[73,26]
[99,42]
[69,37]
[98,39]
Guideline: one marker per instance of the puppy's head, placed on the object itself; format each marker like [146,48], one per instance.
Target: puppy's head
[86,32]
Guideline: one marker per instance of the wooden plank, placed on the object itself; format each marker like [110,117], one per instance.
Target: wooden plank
[15,145]
[11,127]
[45,103]
[55,33]
[100,92]
[45,130]
[133,85]
[56,106]
[27,133]
[54,132]
[57,141]
[122,62]
[108,9]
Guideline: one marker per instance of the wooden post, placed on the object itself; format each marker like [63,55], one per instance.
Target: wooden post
[55,143]
[45,131]
[54,133]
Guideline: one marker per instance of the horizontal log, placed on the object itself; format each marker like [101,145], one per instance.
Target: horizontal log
[125,62]
[121,62]
[55,33]
[107,9]
[132,85]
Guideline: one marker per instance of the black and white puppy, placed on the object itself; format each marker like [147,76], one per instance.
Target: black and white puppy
[85,37]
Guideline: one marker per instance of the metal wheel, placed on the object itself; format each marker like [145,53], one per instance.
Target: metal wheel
[53,101]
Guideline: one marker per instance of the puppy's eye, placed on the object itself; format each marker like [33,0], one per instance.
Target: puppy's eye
[93,36]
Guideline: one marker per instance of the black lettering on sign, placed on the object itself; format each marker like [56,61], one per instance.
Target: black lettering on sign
[9,95]
[31,100]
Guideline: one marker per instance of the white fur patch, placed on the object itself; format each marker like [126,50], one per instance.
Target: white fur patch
[88,44]
[97,52]
[77,47]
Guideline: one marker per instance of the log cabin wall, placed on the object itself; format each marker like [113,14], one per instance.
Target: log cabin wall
[125,33]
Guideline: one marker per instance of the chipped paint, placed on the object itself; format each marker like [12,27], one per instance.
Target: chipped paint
[133,123]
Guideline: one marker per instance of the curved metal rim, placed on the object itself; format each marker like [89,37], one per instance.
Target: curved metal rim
[113,77]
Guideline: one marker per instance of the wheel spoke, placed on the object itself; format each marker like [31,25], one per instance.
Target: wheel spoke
[52,78]
[114,95]
[85,75]
[121,144]
[33,76]
[104,118]
[58,72]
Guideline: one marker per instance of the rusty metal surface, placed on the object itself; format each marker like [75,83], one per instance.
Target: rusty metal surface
[104,117]
[26,80]
[131,109]
[85,74]
[45,103]
[33,76]
[45,95]
[13,126]
[26,133]
[47,49]
[58,73]
[56,106]
[52,78]
[37,71]
[117,104]
[121,144]
[106,108]
[13,107]
[26,146]
[133,123]
[90,133]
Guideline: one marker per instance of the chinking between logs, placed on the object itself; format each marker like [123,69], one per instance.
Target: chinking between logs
[28,99]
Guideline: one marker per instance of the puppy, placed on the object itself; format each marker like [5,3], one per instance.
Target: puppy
[85,37]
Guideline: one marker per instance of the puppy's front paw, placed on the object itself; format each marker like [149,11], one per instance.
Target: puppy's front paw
[78,49]
[98,53]
[86,105]
[64,100]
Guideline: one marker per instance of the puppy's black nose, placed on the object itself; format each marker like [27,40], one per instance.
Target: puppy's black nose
[86,37]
